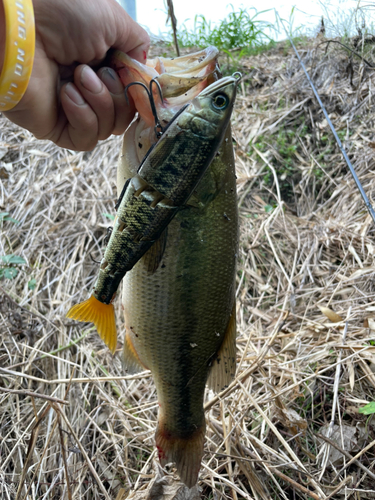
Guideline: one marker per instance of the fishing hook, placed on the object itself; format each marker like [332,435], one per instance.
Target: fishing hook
[159,129]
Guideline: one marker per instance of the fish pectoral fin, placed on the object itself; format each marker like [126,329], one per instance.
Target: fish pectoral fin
[103,317]
[152,258]
[223,367]
[130,359]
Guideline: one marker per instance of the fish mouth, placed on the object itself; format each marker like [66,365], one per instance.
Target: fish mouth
[223,82]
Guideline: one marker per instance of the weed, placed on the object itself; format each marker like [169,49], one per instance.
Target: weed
[9,263]
[239,30]
[109,216]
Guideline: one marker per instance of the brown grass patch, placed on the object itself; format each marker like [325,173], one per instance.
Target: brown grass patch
[306,306]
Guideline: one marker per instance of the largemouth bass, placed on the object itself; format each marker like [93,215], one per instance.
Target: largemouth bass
[179,299]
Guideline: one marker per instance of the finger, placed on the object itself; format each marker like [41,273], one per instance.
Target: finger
[78,125]
[98,97]
[124,112]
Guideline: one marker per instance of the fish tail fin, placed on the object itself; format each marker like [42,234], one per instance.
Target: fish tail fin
[185,452]
[103,317]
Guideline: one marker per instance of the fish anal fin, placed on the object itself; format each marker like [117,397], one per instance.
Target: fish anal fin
[103,317]
[185,452]
[152,258]
[130,358]
[223,367]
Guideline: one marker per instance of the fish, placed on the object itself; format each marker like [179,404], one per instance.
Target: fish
[152,197]
[179,298]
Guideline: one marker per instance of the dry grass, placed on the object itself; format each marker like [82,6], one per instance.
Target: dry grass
[307,252]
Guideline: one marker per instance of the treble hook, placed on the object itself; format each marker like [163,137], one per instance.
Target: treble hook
[159,129]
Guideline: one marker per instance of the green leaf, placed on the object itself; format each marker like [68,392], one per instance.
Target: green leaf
[10,272]
[110,216]
[10,219]
[369,409]
[268,208]
[5,217]
[12,259]
[31,284]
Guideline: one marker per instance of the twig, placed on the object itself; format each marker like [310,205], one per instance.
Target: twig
[55,351]
[296,485]
[30,449]
[63,453]
[325,449]
[26,310]
[355,458]
[34,395]
[144,374]
[174,25]
[347,48]
[49,438]
[83,451]
[339,487]
[347,455]
[280,438]
[246,373]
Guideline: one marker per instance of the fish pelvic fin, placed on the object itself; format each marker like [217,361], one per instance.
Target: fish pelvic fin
[185,452]
[103,317]
[223,367]
[130,358]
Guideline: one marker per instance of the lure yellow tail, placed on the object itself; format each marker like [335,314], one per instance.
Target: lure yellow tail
[103,317]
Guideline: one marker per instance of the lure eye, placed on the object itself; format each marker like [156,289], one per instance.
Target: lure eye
[220,101]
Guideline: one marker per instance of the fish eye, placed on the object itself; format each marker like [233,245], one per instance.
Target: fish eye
[220,101]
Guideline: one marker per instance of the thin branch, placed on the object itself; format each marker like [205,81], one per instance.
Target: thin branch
[34,395]
[350,50]
[174,25]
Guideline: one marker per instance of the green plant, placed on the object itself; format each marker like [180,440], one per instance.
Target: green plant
[109,216]
[5,217]
[31,284]
[7,265]
[368,409]
[238,30]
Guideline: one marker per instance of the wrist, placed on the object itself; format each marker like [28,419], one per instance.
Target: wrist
[18,55]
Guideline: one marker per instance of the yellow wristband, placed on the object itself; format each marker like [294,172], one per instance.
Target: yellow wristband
[19,51]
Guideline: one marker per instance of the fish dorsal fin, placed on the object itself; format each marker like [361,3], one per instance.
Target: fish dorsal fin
[152,258]
[223,367]
[130,358]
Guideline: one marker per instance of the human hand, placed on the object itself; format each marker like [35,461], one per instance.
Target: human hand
[66,101]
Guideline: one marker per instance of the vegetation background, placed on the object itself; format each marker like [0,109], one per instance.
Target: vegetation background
[297,422]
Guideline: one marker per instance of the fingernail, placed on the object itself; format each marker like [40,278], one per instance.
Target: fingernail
[111,81]
[90,80]
[74,95]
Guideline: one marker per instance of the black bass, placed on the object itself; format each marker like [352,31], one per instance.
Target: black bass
[162,185]
[179,299]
